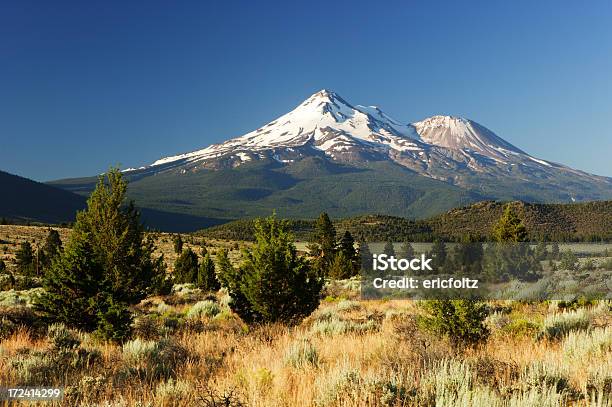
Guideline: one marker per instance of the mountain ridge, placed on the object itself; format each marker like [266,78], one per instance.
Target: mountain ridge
[330,155]
[22,197]
[447,148]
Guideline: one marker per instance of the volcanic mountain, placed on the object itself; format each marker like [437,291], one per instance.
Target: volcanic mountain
[327,154]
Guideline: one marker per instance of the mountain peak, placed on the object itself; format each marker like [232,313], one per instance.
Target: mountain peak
[325,100]
[459,133]
[324,93]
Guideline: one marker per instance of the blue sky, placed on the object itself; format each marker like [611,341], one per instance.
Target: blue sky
[85,85]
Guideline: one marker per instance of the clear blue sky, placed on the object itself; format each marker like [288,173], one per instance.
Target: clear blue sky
[84,85]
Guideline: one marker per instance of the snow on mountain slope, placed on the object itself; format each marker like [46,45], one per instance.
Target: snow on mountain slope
[325,121]
[458,133]
[447,148]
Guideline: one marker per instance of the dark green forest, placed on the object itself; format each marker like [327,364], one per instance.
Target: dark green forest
[588,222]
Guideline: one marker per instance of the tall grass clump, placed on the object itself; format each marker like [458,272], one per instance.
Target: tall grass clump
[61,337]
[172,392]
[207,308]
[154,359]
[348,305]
[337,386]
[54,363]
[338,326]
[560,324]
[599,380]
[542,375]
[302,353]
[537,396]
[138,350]
[446,382]
[581,344]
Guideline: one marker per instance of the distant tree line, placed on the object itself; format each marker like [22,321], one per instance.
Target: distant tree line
[583,222]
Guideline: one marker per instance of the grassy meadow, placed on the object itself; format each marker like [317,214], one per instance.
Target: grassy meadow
[189,349]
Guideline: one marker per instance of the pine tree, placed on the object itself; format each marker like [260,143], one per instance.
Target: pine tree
[342,267]
[325,238]
[541,251]
[406,251]
[347,245]
[389,250]
[75,286]
[509,228]
[569,260]
[438,254]
[468,255]
[231,278]
[461,320]
[511,256]
[53,243]
[186,267]
[365,257]
[177,243]
[554,251]
[51,249]
[24,258]
[207,278]
[273,283]
[107,266]
[347,248]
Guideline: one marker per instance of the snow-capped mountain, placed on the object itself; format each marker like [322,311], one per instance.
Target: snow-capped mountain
[330,155]
[452,149]
[323,122]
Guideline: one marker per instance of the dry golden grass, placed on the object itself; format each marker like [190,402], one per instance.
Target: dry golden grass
[393,362]
[11,237]
[224,356]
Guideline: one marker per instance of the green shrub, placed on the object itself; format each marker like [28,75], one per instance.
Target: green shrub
[448,382]
[340,386]
[461,320]
[522,327]
[273,283]
[13,298]
[138,350]
[50,366]
[497,321]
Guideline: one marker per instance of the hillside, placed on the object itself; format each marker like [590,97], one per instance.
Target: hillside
[589,221]
[295,190]
[24,200]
